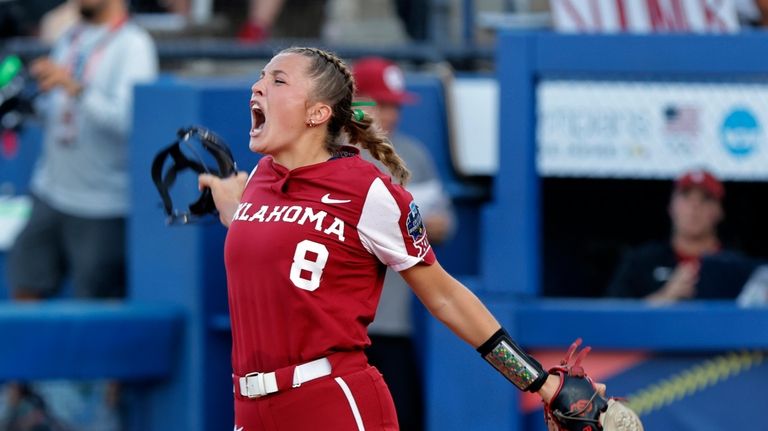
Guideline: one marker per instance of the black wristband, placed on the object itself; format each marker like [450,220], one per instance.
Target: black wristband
[490,343]
[512,362]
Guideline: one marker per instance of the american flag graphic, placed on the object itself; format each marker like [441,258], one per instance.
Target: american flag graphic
[681,119]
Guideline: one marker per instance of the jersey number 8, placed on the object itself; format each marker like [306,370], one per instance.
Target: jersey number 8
[308,260]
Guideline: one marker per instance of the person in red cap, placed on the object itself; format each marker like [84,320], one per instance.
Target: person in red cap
[392,349]
[669,271]
[382,81]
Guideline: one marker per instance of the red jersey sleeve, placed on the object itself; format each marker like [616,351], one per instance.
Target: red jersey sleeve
[391,227]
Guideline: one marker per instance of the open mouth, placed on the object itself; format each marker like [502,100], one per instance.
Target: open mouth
[257,118]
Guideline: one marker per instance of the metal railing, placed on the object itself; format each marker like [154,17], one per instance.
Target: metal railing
[229,49]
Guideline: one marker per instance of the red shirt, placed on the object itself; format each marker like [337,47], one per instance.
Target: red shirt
[305,257]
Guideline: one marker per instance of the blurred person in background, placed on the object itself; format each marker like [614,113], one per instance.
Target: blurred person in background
[673,270]
[80,183]
[282,18]
[256,20]
[261,16]
[392,350]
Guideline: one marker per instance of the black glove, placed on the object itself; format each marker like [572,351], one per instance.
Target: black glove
[577,405]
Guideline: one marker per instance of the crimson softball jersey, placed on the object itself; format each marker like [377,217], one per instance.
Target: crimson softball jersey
[306,254]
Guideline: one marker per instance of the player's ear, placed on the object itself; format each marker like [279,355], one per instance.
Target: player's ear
[318,113]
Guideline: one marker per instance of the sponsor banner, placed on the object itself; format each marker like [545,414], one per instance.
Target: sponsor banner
[651,129]
[645,16]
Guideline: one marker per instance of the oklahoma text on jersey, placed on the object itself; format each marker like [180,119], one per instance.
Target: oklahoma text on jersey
[291,214]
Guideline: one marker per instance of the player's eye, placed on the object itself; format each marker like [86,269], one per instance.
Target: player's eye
[279,81]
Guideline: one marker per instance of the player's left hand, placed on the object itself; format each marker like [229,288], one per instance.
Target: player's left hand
[50,75]
[579,404]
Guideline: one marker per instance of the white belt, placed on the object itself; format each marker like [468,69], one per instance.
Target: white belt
[255,385]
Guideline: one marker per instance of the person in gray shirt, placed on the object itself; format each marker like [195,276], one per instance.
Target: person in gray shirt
[80,193]
[392,350]
[80,183]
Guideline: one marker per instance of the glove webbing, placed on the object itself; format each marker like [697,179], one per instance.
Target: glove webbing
[575,415]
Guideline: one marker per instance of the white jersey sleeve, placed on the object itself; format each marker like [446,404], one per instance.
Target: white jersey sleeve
[391,228]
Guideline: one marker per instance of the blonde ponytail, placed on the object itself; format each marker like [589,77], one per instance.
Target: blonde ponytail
[363,133]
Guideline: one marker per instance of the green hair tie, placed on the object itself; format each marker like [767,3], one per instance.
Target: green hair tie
[10,68]
[359,114]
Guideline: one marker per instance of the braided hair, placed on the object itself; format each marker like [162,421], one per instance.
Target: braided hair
[334,84]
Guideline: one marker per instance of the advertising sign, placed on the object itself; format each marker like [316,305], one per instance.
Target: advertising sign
[651,129]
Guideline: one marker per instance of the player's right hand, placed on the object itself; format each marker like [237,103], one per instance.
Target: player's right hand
[682,283]
[226,193]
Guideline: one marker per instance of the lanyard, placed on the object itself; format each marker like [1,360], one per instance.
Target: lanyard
[81,62]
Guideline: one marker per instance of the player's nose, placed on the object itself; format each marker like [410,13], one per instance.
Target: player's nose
[256,88]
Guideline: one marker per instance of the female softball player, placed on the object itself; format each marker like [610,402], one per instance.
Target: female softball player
[310,233]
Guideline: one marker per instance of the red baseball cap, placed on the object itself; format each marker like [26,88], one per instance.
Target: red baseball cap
[381,80]
[701,179]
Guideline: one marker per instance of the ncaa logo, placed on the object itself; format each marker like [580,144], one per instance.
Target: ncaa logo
[740,132]
[414,223]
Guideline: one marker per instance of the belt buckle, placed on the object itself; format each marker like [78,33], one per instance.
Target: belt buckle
[262,389]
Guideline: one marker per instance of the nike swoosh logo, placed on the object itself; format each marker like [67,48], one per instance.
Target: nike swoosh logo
[238,429]
[326,199]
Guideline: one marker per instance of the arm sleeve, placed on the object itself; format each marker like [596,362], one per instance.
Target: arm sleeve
[391,228]
[138,63]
